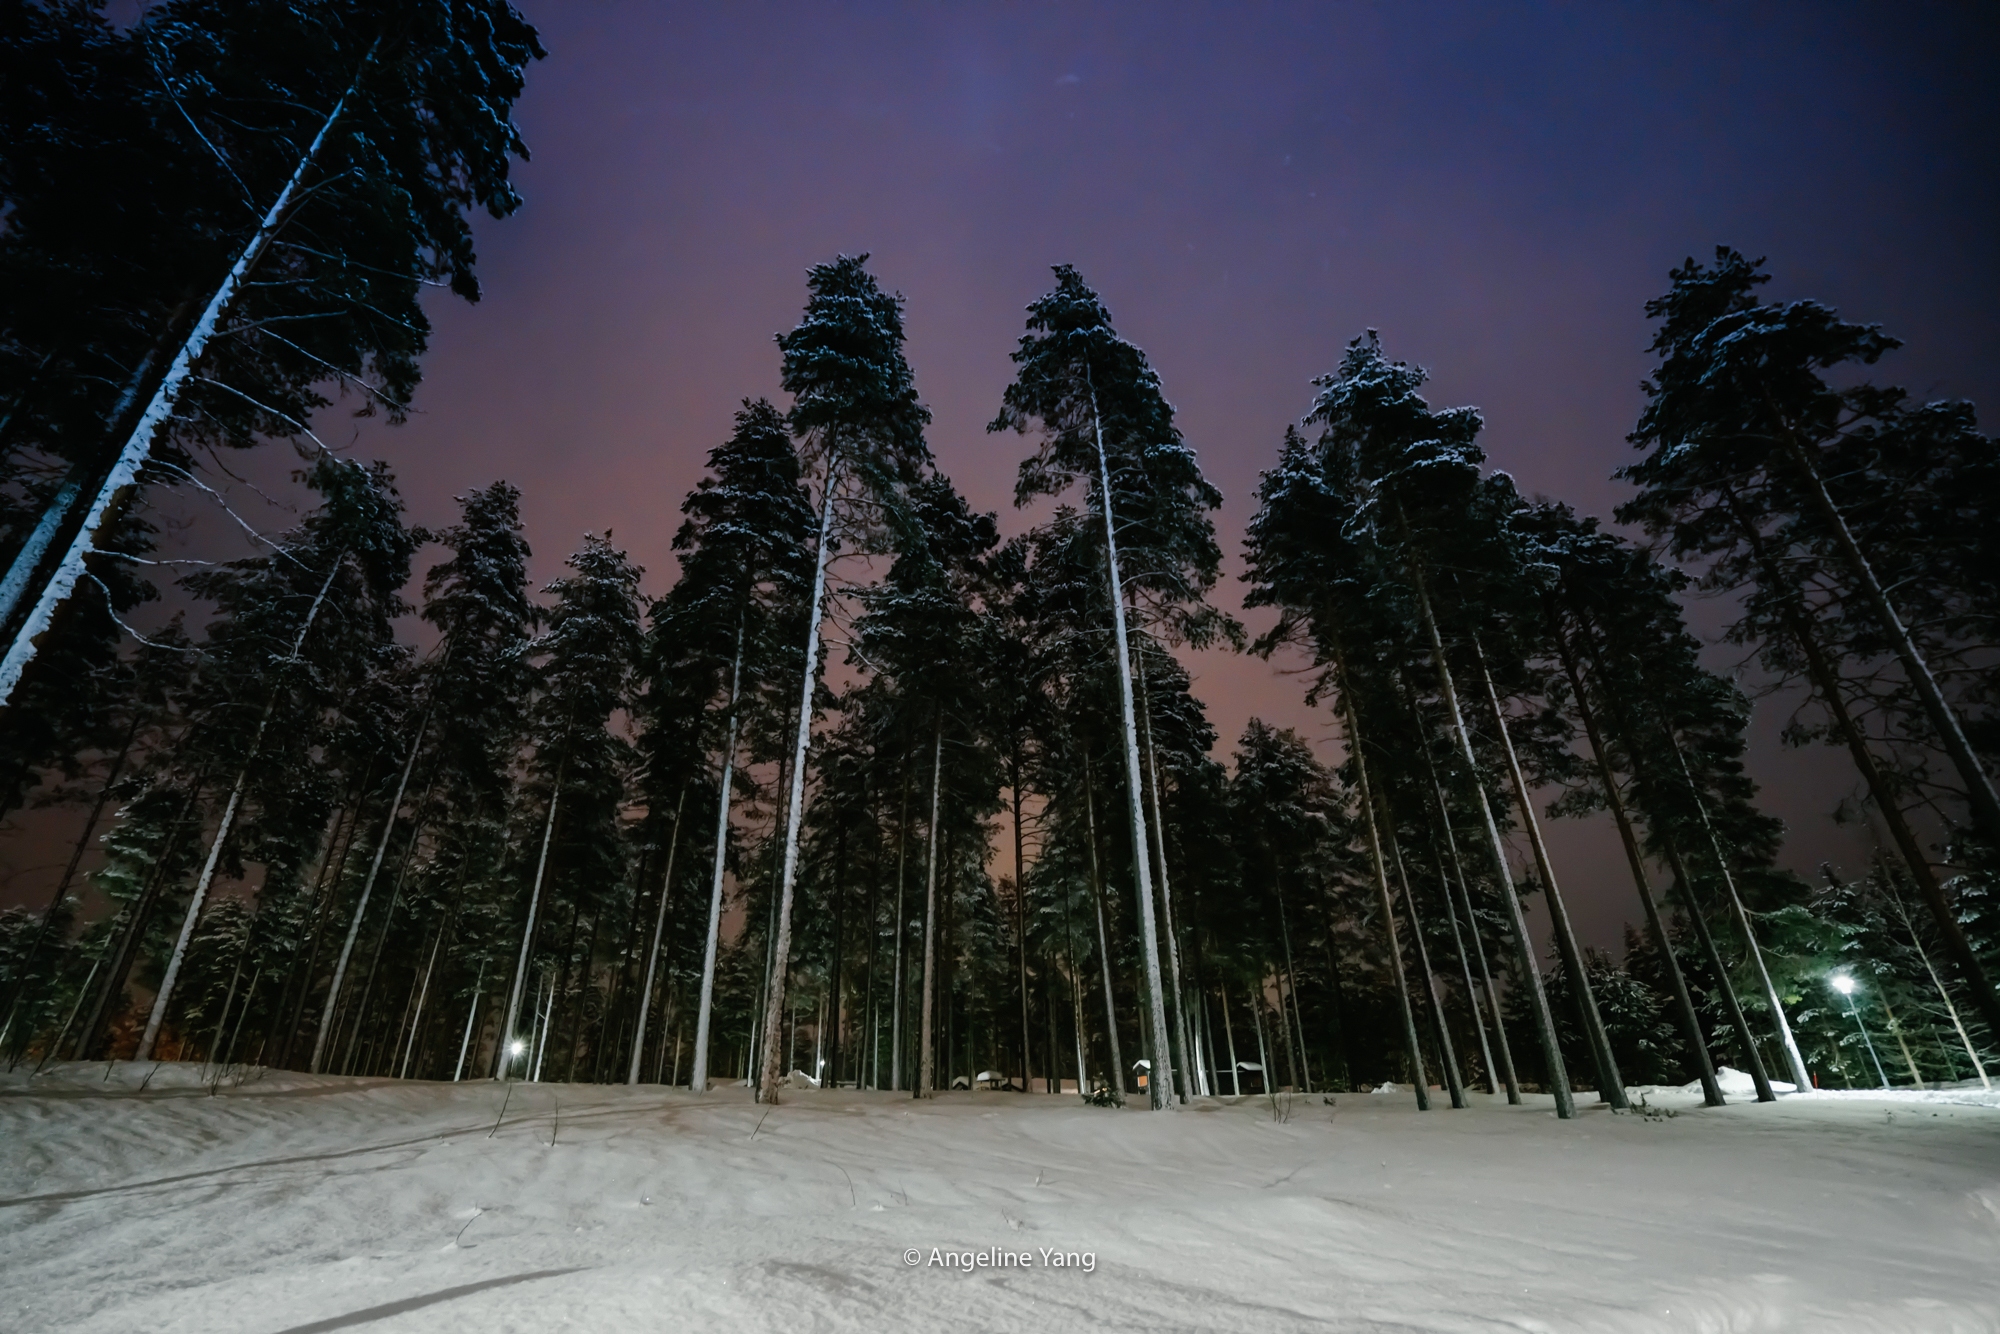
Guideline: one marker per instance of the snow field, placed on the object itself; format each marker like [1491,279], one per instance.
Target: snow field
[295,1205]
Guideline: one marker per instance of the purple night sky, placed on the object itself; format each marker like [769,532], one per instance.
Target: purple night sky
[1497,189]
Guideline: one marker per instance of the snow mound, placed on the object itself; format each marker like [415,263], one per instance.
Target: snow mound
[1736,1084]
[1392,1088]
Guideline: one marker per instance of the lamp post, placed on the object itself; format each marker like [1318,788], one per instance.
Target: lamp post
[1844,984]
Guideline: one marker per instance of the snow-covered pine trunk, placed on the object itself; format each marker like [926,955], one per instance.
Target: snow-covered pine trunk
[69,496]
[14,587]
[1793,1060]
[1180,1023]
[1503,875]
[1691,1033]
[698,1077]
[1160,1086]
[781,950]
[1457,875]
[166,992]
[125,471]
[666,889]
[926,1070]
[1381,870]
[1611,1085]
[1447,1051]
[513,1016]
[1117,1080]
[1979,791]
[361,905]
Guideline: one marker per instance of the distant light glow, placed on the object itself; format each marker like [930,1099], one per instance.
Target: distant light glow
[516,1047]
[1843,984]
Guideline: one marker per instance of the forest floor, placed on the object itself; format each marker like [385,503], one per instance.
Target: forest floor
[289,1204]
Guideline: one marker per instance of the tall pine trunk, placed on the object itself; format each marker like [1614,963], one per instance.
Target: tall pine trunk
[1160,1086]
[1786,1042]
[698,1076]
[926,1071]
[1178,1017]
[902,931]
[1503,876]
[1684,1010]
[125,471]
[1611,1086]
[1447,1053]
[781,950]
[1456,874]
[1397,980]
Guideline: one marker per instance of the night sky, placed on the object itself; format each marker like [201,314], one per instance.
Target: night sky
[1497,189]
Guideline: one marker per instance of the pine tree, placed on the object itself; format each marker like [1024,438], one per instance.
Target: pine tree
[1102,417]
[855,408]
[1747,446]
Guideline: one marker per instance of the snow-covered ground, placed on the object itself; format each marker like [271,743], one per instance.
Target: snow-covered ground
[293,1204]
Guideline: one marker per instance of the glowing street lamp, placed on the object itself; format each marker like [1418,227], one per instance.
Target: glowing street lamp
[1844,984]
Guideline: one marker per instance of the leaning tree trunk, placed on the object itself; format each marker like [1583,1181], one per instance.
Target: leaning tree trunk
[1742,915]
[1711,1091]
[125,472]
[1503,876]
[1610,1085]
[1447,1052]
[1396,977]
[1160,1086]
[1732,1006]
[925,1068]
[361,905]
[65,508]
[781,950]
[229,810]
[1456,869]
